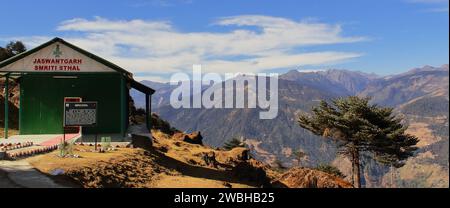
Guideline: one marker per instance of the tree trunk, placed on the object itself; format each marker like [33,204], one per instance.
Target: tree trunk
[357,172]
[353,169]
[393,177]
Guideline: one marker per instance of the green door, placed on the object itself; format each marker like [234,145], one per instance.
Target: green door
[41,106]
[51,106]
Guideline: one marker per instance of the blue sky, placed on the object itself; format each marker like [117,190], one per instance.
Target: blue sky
[155,38]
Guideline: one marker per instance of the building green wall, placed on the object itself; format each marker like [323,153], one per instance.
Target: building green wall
[42,98]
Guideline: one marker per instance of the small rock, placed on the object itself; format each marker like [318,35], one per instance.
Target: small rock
[57,171]
[228,185]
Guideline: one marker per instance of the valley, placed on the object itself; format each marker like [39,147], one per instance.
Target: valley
[420,96]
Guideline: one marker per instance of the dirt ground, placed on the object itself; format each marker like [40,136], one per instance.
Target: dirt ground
[179,166]
[5,182]
[168,163]
[10,133]
[51,161]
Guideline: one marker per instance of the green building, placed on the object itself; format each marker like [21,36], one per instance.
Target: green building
[57,70]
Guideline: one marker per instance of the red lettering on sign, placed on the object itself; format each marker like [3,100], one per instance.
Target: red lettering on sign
[47,64]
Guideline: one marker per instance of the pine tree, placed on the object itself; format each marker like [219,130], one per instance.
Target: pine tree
[233,143]
[359,127]
[330,170]
[279,165]
[12,49]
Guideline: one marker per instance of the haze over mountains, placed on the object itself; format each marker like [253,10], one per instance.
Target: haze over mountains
[420,95]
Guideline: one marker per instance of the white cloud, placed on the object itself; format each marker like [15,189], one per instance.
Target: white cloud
[311,70]
[278,61]
[152,78]
[253,43]
[29,41]
[160,3]
[104,25]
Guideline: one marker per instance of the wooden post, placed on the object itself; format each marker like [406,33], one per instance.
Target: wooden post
[147,111]
[6,104]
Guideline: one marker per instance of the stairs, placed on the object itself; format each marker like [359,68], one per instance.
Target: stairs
[14,151]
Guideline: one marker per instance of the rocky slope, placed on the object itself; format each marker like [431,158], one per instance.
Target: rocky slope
[308,178]
[13,105]
[420,95]
[406,87]
[278,136]
[172,161]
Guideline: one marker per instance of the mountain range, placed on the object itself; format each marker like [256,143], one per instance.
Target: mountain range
[419,95]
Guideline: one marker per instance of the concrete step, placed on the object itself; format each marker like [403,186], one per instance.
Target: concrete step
[11,146]
[28,152]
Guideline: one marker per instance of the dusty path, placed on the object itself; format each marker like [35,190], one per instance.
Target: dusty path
[20,174]
[5,182]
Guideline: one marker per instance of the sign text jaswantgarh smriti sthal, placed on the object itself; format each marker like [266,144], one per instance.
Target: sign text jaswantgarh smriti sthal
[57,58]
[45,64]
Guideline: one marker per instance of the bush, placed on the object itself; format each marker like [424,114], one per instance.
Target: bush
[278,165]
[65,149]
[233,143]
[162,125]
[330,170]
[140,112]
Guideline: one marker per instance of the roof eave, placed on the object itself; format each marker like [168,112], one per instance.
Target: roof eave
[76,48]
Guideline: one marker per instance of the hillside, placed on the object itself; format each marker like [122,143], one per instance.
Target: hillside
[420,95]
[160,98]
[336,81]
[281,135]
[172,162]
[400,89]
[13,107]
